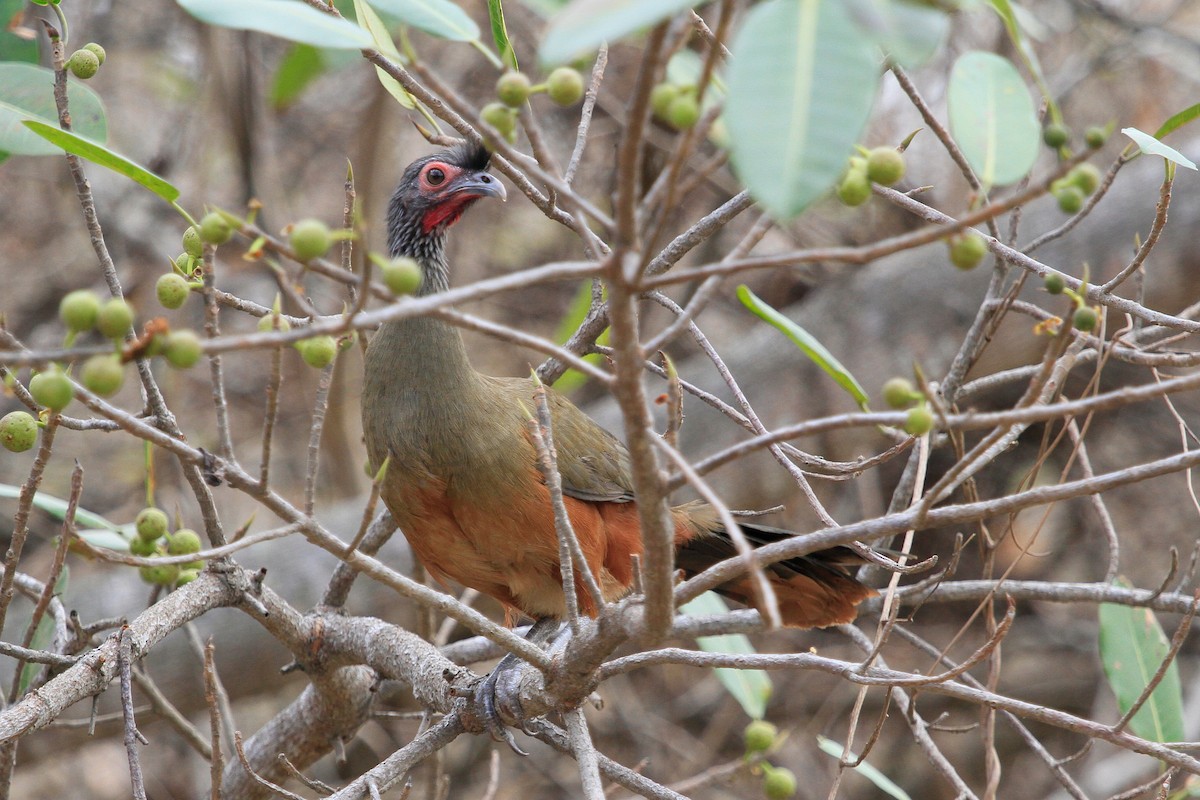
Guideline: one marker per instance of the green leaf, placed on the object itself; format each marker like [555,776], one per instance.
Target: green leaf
[909,33]
[43,634]
[750,687]
[992,118]
[1010,15]
[500,34]
[1177,121]
[881,781]
[584,25]
[57,508]
[27,92]
[300,66]
[801,84]
[806,342]
[287,19]
[109,540]
[12,46]
[581,304]
[1153,147]
[384,44]
[1132,646]
[99,154]
[439,18]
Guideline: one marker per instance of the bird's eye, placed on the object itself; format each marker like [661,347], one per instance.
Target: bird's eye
[435,176]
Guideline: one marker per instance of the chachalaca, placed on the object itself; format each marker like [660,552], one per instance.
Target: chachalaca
[463,484]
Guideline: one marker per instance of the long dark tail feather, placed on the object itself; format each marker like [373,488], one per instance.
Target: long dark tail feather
[813,591]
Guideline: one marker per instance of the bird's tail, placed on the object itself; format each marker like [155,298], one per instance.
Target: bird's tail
[812,591]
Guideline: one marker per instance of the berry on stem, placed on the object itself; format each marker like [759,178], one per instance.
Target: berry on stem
[318,352]
[114,318]
[900,393]
[402,275]
[1095,137]
[1086,177]
[96,50]
[779,784]
[855,188]
[1086,318]
[502,118]
[759,735]
[1069,197]
[183,542]
[52,389]
[172,290]
[661,97]
[967,250]
[919,421]
[310,239]
[78,310]
[215,229]
[151,524]
[1054,283]
[83,64]
[565,86]
[1055,135]
[103,374]
[513,89]
[18,431]
[683,112]
[885,165]
[182,349]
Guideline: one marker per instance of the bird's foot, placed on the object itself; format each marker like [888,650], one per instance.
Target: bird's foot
[491,694]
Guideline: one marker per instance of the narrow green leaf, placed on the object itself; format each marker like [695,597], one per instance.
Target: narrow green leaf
[881,781]
[43,634]
[1153,147]
[1009,15]
[384,44]
[909,33]
[27,92]
[584,25]
[750,687]
[57,508]
[1132,646]
[992,118]
[287,19]
[581,303]
[99,154]
[109,540]
[801,84]
[1177,121]
[806,342]
[300,66]
[439,18]
[500,34]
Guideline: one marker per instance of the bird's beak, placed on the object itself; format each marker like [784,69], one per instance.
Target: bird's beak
[478,184]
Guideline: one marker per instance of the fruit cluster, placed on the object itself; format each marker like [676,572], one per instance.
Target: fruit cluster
[154,539]
[899,393]
[779,783]
[564,86]
[882,165]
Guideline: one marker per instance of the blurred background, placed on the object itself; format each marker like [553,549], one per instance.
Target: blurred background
[203,107]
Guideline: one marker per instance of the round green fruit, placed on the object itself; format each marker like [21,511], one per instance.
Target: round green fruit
[215,229]
[1086,318]
[151,524]
[96,50]
[565,86]
[513,89]
[402,275]
[1054,283]
[183,542]
[273,322]
[186,576]
[52,389]
[1095,137]
[310,239]
[899,393]
[1086,177]
[1070,198]
[143,547]
[683,112]
[500,117]
[759,736]
[18,431]
[172,290]
[114,318]
[779,784]
[885,166]
[919,421]
[855,188]
[967,250]
[318,352]
[193,245]
[103,375]
[78,310]
[1055,135]
[182,349]
[661,97]
[161,574]
[83,64]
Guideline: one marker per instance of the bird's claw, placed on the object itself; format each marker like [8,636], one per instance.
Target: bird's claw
[485,697]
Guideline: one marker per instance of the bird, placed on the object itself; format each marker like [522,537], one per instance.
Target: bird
[462,481]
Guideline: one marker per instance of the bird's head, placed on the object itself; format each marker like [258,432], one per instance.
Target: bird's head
[433,194]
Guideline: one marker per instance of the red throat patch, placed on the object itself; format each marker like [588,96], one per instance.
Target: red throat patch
[447,212]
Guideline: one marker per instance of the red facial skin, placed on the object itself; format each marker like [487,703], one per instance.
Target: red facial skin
[448,200]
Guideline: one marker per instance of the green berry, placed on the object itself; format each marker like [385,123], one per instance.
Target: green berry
[273,322]
[1095,137]
[759,736]
[78,310]
[919,420]
[967,250]
[310,239]
[172,290]
[186,576]
[899,393]
[96,50]
[143,547]
[661,97]
[215,229]
[513,89]
[500,117]
[1086,318]
[83,64]
[885,166]
[683,112]
[1070,198]
[318,352]
[192,244]
[18,431]
[779,784]
[103,374]
[346,341]
[855,188]
[1086,177]
[161,574]
[182,349]
[1055,135]
[52,389]
[151,524]
[402,275]
[565,86]
[114,318]
[183,542]
[1054,283]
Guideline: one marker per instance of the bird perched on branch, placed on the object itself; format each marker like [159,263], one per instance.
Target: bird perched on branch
[463,484]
